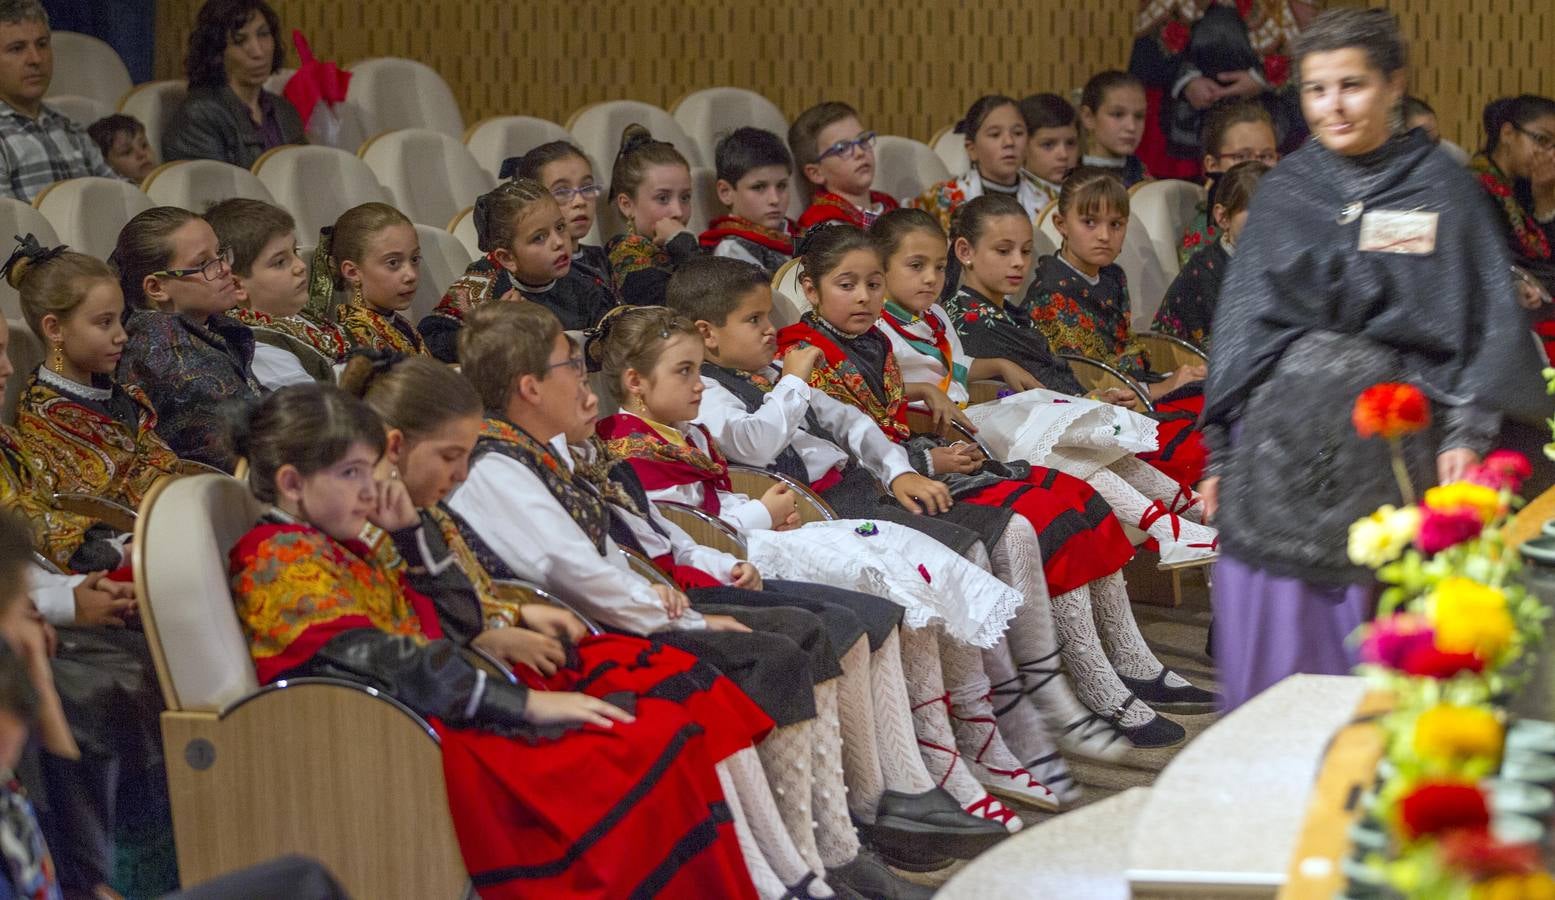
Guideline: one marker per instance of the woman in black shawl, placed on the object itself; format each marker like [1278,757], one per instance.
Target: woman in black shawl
[1368,257]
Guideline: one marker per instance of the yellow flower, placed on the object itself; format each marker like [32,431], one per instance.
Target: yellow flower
[1379,538]
[1470,617]
[1483,501]
[1532,886]
[1457,732]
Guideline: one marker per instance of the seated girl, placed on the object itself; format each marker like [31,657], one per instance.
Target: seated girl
[1188,309]
[528,257]
[650,186]
[996,136]
[372,253]
[1112,118]
[93,434]
[181,350]
[1235,131]
[1096,441]
[568,175]
[1084,544]
[313,451]
[1079,301]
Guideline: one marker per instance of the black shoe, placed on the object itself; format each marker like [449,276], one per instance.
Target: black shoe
[869,877]
[930,825]
[1157,733]
[1185,699]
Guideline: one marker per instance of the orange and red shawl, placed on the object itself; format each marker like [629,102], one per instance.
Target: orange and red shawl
[661,463]
[840,377]
[829,207]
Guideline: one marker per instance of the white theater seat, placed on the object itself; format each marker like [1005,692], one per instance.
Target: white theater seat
[788,299]
[85,66]
[153,103]
[199,184]
[443,259]
[317,184]
[704,198]
[1147,278]
[79,109]
[950,147]
[495,139]
[26,354]
[905,168]
[708,115]
[430,175]
[391,93]
[462,226]
[1166,208]
[88,213]
[18,219]
[597,129]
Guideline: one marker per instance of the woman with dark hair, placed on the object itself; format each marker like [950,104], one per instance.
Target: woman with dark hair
[1367,257]
[228,115]
[1517,170]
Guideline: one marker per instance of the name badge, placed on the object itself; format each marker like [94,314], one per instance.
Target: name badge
[1395,231]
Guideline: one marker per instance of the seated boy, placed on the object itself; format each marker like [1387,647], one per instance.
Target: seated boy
[272,288]
[837,158]
[753,173]
[122,140]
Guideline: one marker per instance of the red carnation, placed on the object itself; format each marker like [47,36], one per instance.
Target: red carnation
[1434,807]
[1276,68]
[1481,856]
[1175,36]
[1440,530]
[1429,662]
[1390,410]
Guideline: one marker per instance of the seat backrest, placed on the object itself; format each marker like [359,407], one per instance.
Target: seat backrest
[495,139]
[1041,245]
[463,228]
[18,219]
[1166,208]
[88,213]
[597,129]
[87,67]
[317,184]
[153,103]
[788,300]
[950,147]
[905,168]
[443,259]
[704,198]
[26,353]
[707,115]
[430,175]
[80,109]
[199,184]
[1046,228]
[185,530]
[1147,278]
[392,93]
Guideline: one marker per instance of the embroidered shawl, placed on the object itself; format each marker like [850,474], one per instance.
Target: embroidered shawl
[1528,240]
[881,396]
[734,226]
[1090,320]
[995,330]
[581,501]
[630,253]
[1189,305]
[936,344]
[28,489]
[828,207]
[660,461]
[368,327]
[328,339]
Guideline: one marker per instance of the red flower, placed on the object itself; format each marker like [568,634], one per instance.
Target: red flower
[1435,807]
[1391,640]
[1440,530]
[970,317]
[1175,36]
[1390,410]
[1481,856]
[1429,662]
[1506,469]
[1276,68]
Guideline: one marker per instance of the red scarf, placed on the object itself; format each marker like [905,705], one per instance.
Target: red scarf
[827,207]
[661,463]
[841,378]
[734,226]
[941,347]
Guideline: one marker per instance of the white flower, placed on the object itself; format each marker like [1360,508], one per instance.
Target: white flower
[1382,536]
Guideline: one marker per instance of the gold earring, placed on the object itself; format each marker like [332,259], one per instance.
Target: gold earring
[59,358]
[356,293]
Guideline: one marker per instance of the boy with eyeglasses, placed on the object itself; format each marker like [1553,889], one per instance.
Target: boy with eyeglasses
[754,168]
[837,157]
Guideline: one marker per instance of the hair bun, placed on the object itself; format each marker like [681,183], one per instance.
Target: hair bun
[364,366]
[509,167]
[634,137]
[27,254]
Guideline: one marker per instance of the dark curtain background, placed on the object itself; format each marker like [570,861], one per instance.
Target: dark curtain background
[127,25]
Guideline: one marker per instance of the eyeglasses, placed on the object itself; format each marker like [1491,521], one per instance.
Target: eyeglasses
[211,270]
[575,363]
[864,141]
[564,195]
[1545,142]
[1268,158]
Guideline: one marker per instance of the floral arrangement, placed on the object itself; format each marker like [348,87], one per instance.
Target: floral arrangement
[1454,632]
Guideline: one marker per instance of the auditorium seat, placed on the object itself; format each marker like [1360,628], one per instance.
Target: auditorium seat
[88,213]
[430,175]
[317,184]
[494,139]
[598,126]
[707,115]
[462,226]
[704,198]
[443,259]
[153,104]
[950,147]
[199,184]
[1147,277]
[26,354]
[788,299]
[391,93]
[905,168]
[86,66]
[18,218]
[1166,208]
[80,109]
[1045,225]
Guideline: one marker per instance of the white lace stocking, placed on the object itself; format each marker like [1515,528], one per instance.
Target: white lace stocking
[1093,677]
[1130,506]
[1156,485]
[768,885]
[765,821]
[860,733]
[931,720]
[900,762]
[971,711]
[1018,554]
[785,755]
[1126,647]
[834,835]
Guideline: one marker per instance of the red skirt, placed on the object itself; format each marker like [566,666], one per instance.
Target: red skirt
[1181,454]
[631,810]
[1081,539]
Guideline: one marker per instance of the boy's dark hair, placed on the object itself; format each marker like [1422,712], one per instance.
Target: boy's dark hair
[749,148]
[17,695]
[709,288]
[1047,111]
[15,557]
[106,130]
[247,226]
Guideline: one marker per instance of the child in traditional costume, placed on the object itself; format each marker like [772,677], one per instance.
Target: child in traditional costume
[1052,143]
[523,233]
[1112,116]
[836,156]
[753,168]
[650,185]
[272,290]
[996,140]
[567,174]
[1235,131]
[373,254]
[1188,309]
[186,356]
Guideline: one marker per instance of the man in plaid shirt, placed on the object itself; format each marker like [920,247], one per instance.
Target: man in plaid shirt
[38,145]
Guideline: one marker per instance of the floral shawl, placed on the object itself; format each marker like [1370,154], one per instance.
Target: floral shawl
[1090,320]
[365,326]
[663,458]
[328,339]
[829,207]
[1528,240]
[582,502]
[26,487]
[843,379]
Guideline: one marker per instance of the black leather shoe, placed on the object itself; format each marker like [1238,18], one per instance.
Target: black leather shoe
[1187,699]
[869,877]
[932,823]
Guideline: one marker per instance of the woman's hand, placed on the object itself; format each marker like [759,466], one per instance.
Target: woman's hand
[1453,465]
[1240,83]
[566,708]
[783,506]
[1017,378]
[393,510]
[1202,92]
[1209,497]
[954,460]
[515,647]
[100,601]
[920,494]
[725,623]
[674,602]
[746,576]
[554,621]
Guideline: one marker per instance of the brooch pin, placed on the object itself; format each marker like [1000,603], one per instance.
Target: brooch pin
[867,529]
[924,571]
[1351,212]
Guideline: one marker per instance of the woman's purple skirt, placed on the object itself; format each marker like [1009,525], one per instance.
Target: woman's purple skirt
[1268,627]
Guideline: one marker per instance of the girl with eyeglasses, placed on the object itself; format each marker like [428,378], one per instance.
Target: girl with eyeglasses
[526,236]
[1235,131]
[181,350]
[569,176]
[1517,169]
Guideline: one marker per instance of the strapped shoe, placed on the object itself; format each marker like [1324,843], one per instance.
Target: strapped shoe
[1187,699]
[930,823]
[1175,553]
[866,875]
[1157,733]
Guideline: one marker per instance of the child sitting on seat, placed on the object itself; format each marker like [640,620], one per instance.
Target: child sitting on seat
[1112,112]
[568,175]
[996,141]
[1235,131]
[753,169]
[1188,309]
[122,139]
[373,254]
[650,185]
[1052,143]
[836,156]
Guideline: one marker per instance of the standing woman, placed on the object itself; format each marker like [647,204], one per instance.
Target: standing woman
[1368,257]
